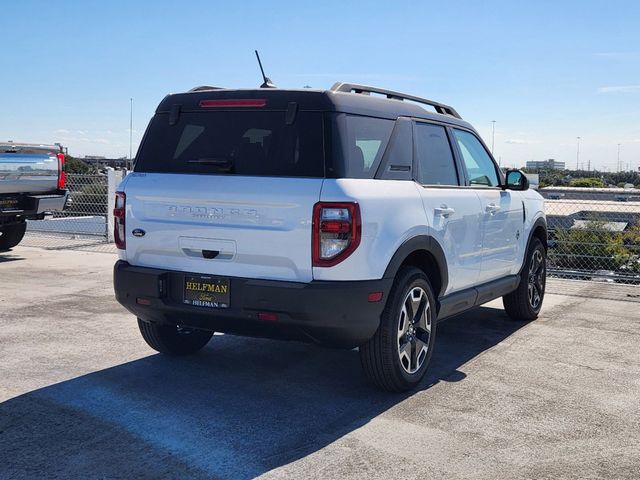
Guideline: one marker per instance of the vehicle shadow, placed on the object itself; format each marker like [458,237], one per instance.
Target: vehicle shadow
[8,256]
[240,408]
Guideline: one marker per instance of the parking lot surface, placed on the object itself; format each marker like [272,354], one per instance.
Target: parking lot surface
[82,396]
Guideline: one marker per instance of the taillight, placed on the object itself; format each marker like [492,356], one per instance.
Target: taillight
[62,180]
[336,232]
[119,217]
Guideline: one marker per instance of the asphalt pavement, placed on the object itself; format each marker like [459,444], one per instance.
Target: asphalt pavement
[82,396]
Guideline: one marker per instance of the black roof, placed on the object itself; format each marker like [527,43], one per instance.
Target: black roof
[313,99]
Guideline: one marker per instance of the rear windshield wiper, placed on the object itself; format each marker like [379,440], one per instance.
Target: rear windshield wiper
[211,161]
[222,163]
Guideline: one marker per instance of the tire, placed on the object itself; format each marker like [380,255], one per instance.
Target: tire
[524,303]
[397,356]
[173,339]
[12,235]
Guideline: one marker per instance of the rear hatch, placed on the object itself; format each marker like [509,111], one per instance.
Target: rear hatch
[228,189]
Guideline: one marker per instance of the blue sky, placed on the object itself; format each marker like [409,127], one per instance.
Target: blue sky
[545,71]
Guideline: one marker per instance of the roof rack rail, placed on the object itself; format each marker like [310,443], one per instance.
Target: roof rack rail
[203,88]
[366,90]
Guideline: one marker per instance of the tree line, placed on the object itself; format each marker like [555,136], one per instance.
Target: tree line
[583,178]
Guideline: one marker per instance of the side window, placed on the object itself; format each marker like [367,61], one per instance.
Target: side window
[434,156]
[480,167]
[359,143]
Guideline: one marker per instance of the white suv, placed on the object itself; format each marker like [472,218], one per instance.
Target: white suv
[353,217]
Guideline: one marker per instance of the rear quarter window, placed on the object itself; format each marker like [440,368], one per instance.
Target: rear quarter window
[358,144]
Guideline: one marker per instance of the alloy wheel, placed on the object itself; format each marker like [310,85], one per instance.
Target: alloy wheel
[536,279]
[414,330]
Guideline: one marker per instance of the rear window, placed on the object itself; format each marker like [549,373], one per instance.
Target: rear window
[253,143]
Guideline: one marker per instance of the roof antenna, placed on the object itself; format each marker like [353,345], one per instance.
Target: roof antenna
[267,81]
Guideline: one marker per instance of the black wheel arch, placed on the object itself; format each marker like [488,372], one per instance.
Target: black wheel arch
[426,253]
[539,231]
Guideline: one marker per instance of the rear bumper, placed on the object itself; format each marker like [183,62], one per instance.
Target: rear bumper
[329,313]
[50,203]
[22,205]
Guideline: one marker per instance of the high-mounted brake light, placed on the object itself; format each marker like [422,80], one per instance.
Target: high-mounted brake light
[336,232]
[241,102]
[119,220]
[268,316]
[62,178]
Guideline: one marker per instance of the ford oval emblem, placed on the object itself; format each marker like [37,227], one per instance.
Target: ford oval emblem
[138,232]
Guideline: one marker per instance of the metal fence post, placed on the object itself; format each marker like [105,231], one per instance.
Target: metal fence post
[111,200]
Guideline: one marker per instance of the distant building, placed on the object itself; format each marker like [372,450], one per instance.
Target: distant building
[550,164]
[574,207]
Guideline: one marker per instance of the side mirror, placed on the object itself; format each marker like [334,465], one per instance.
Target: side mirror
[516,180]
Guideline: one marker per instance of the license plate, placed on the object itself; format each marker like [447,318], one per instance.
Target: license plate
[9,203]
[206,291]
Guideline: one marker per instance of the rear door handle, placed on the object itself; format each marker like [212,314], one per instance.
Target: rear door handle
[492,208]
[444,211]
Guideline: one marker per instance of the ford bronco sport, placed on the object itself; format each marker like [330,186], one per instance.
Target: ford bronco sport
[353,217]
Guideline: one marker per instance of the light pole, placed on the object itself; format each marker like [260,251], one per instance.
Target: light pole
[493,135]
[578,154]
[130,132]
[619,164]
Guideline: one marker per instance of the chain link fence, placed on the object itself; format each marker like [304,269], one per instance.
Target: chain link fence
[594,233]
[85,220]
[86,210]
